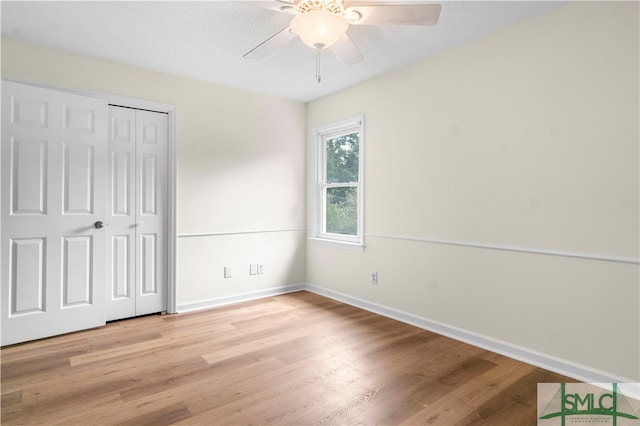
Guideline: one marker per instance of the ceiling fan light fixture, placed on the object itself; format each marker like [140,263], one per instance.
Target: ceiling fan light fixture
[319,28]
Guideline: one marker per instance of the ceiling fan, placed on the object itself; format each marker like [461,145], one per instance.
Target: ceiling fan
[323,24]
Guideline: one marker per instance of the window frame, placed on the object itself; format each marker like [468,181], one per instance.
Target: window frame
[321,136]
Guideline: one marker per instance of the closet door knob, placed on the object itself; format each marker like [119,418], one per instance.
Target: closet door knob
[99,224]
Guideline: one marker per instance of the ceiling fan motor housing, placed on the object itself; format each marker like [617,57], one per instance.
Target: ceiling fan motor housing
[333,6]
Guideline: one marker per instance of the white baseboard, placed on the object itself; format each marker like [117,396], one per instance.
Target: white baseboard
[240,297]
[547,362]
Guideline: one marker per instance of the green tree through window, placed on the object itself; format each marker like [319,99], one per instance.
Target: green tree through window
[342,174]
[343,157]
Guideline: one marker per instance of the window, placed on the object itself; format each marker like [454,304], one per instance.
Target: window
[339,182]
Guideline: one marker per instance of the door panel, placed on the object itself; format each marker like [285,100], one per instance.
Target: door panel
[79,120]
[149,265]
[76,271]
[149,184]
[122,267]
[78,179]
[121,184]
[54,156]
[29,112]
[28,176]
[26,294]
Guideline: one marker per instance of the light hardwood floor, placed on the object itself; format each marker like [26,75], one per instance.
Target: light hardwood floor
[293,359]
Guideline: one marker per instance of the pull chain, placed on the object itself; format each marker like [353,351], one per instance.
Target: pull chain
[318,77]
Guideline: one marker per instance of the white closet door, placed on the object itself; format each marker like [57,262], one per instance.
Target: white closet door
[121,251]
[137,223]
[54,156]
[151,206]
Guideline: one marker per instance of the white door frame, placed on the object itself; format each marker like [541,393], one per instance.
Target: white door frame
[170,110]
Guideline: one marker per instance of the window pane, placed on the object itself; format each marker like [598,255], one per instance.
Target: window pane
[342,211]
[342,158]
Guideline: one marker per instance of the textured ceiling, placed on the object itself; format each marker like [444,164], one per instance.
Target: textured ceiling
[205,40]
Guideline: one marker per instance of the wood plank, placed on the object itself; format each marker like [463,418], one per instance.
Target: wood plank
[164,416]
[515,405]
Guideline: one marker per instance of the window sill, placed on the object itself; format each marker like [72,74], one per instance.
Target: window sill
[337,244]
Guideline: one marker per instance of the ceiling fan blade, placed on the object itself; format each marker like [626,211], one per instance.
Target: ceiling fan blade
[283,6]
[271,44]
[346,51]
[394,14]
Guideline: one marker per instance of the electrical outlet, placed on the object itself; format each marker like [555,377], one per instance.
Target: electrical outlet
[260,270]
[253,269]
[374,278]
[227,271]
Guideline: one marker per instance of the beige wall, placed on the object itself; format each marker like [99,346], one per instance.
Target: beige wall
[527,138]
[240,167]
